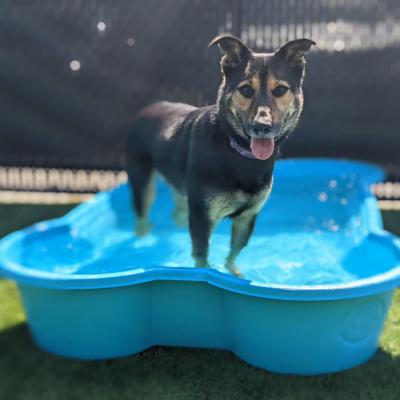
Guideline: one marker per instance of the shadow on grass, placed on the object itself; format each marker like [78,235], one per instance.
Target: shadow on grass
[28,373]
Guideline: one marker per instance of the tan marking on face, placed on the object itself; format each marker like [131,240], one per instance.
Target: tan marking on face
[240,102]
[284,102]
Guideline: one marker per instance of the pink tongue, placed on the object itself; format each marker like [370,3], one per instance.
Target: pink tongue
[262,148]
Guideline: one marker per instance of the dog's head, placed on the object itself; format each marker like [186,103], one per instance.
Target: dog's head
[260,95]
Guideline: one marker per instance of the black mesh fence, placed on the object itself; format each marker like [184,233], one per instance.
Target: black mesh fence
[73,72]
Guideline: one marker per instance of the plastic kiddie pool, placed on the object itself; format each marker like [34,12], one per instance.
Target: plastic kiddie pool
[320,275]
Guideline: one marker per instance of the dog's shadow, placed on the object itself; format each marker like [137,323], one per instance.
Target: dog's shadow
[175,373]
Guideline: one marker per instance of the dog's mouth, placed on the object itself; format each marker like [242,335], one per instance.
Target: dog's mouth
[256,148]
[253,144]
[262,148]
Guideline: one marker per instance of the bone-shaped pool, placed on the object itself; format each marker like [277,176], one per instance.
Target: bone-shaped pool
[319,274]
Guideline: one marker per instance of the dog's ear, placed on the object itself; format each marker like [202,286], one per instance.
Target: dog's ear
[233,50]
[294,51]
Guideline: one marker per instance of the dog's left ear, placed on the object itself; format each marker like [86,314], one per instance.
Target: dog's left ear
[294,51]
[233,50]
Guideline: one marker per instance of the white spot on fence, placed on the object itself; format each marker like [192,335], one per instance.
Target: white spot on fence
[75,65]
[130,42]
[339,45]
[101,26]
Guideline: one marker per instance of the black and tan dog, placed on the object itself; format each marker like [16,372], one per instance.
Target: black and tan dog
[219,159]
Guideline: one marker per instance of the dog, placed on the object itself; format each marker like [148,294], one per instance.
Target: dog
[219,159]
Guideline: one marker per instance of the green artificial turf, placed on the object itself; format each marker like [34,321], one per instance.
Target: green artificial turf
[27,373]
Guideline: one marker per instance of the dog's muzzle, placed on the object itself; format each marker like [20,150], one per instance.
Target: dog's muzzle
[261,129]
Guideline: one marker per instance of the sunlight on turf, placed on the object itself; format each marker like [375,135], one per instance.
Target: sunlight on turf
[390,339]
[11,312]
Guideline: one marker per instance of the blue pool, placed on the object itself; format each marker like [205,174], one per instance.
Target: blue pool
[319,271]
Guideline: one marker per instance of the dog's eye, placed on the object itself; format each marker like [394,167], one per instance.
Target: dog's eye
[246,91]
[280,90]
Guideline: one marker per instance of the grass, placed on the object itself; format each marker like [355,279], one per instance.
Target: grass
[27,373]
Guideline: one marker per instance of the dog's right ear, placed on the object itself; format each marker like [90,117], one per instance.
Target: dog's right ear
[233,50]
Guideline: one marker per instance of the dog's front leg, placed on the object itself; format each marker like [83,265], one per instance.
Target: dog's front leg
[242,228]
[201,226]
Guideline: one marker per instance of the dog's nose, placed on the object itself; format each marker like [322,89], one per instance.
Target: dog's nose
[260,127]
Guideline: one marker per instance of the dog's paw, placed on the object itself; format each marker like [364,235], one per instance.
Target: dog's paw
[142,227]
[180,218]
[234,270]
[202,263]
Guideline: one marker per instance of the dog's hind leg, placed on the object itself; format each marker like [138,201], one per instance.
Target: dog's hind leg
[142,178]
[181,212]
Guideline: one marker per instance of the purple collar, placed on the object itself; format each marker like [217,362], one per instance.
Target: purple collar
[241,150]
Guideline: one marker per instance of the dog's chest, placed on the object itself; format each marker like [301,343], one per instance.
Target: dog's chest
[226,204]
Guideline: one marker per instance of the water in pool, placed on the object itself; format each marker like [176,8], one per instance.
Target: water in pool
[310,232]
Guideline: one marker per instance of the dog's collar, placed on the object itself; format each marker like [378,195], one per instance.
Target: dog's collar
[241,150]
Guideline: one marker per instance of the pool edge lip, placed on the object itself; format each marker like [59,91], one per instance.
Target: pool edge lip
[368,286]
